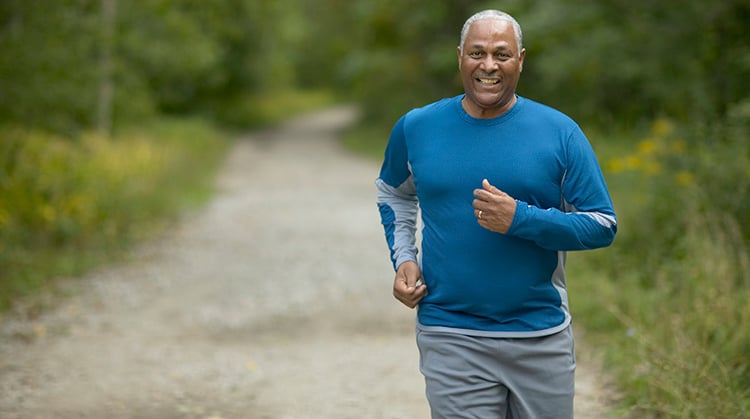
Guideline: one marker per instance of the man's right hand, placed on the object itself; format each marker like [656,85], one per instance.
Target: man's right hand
[405,287]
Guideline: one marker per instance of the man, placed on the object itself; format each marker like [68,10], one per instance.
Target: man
[505,186]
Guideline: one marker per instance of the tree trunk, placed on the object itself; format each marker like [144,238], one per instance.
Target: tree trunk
[106,83]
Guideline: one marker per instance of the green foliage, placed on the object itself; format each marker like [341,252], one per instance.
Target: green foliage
[68,202]
[173,52]
[45,63]
[625,59]
[169,56]
[667,302]
[722,164]
[603,63]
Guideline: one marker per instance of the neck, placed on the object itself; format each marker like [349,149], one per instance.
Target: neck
[487,113]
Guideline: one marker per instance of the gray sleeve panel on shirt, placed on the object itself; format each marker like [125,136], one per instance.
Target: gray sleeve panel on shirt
[400,229]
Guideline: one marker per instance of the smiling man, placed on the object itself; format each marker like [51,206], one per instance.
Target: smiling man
[490,59]
[504,186]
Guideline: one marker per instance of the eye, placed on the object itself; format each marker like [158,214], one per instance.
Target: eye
[475,54]
[503,56]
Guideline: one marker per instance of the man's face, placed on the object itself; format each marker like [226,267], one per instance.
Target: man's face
[490,66]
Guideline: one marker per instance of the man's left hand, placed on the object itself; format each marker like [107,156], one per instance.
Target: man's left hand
[493,208]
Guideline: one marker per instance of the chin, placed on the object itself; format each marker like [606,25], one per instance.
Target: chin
[492,102]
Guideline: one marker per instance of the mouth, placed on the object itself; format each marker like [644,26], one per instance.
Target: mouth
[487,81]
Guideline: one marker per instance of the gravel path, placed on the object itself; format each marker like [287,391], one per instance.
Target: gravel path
[272,302]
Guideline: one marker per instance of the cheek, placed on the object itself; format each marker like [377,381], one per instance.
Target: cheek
[513,69]
[467,71]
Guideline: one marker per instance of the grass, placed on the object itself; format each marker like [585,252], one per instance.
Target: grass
[675,341]
[666,302]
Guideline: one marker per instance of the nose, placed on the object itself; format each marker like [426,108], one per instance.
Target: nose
[489,63]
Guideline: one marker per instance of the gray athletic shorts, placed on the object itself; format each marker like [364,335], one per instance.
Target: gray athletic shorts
[481,377]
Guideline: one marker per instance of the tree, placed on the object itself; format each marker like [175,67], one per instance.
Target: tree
[45,65]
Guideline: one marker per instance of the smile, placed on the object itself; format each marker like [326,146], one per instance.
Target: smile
[488,82]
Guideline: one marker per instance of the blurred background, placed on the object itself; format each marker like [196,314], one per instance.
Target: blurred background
[107,108]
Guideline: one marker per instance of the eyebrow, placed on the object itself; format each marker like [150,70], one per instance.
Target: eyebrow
[503,47]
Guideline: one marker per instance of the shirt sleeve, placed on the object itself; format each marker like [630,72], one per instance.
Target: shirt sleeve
[397,199]
[586,217]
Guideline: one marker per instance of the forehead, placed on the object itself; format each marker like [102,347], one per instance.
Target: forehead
[491,33]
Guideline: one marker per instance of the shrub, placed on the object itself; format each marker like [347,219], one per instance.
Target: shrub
[676,301]
[68,201]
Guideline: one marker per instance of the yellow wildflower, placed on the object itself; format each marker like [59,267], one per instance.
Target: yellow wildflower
[683,178]
[48,213]
[632,162]
[615,165]
[678,146]
[662,127]
[651,167]
[647,147]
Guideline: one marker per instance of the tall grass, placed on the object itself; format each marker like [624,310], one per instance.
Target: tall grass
[668,302]
[678,339]
[66,204]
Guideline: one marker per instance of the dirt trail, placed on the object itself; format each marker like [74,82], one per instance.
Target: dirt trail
[272,302]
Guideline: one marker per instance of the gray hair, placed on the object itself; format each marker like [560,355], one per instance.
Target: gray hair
[491,14]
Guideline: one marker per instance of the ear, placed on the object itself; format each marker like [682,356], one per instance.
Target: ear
[520,58]
[458,51]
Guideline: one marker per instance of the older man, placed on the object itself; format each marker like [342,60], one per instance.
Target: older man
[505,186]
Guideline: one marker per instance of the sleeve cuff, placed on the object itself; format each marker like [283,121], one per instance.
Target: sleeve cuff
[519,218]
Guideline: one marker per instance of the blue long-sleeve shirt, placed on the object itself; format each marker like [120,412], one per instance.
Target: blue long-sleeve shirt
[481,282]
